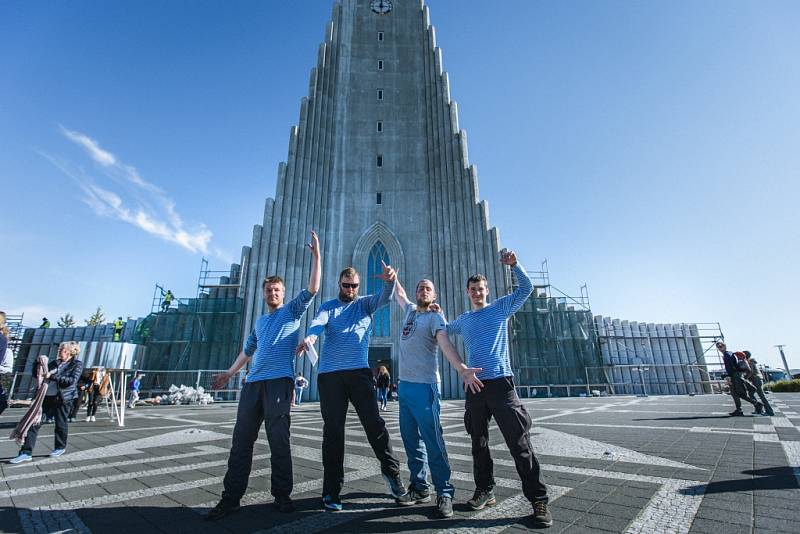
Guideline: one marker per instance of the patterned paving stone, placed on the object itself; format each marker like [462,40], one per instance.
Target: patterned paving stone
[624,465]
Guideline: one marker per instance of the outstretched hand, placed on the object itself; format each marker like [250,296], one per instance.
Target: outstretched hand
[435,308]
[218,381]
[471,381]
[508,257]
[301,348]
[389,274]
[314,244]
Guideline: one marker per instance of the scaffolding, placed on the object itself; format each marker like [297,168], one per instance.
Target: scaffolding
[553,339]
[194,333]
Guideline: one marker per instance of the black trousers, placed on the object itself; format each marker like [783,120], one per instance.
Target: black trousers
[336,389]
[739,391]
[498,399]
[268,402]
[52,406]
[94,399]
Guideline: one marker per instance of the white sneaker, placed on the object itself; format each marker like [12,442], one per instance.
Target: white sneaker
[88,418]
[94,419]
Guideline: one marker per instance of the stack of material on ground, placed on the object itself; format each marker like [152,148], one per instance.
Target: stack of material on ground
[185,395]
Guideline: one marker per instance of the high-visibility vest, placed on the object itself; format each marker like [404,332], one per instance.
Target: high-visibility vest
[118,324]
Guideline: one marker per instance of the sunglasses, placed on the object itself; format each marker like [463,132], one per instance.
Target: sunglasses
[349,286]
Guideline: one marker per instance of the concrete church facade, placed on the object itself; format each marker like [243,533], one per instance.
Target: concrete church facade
[378,166]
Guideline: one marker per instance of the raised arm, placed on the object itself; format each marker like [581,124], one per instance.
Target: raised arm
[389,277]
[315,278]
[468,374]
[400,295]
[513,302]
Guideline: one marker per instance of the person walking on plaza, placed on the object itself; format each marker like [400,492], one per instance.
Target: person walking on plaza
[418,394]
[119,326]
[735,373]
[300,383]
[758,383]
[98,389]
[135,386]
[344,376]
[384,381]
[61,378]
[485,332]
[267,393]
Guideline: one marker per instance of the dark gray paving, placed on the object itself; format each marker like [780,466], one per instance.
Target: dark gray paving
[624,464]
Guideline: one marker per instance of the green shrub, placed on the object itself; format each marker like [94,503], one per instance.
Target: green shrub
[784,386]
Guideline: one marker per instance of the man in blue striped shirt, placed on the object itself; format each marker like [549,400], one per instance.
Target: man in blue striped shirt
[344,376]
[485,332]
[267,394]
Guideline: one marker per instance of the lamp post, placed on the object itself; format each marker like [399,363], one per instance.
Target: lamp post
[783,357]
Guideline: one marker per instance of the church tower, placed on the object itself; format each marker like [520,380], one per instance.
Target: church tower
[378,167]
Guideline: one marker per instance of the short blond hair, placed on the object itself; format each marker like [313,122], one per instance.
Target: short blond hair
[74,348]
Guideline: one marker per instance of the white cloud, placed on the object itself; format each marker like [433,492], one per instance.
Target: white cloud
[134,200]
[102,157]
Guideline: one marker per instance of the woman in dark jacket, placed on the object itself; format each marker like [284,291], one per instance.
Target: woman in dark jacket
[62,378]
[384,380]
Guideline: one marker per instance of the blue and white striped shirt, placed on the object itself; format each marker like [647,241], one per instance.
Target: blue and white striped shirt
[274,338]
[485,331]
[347,327]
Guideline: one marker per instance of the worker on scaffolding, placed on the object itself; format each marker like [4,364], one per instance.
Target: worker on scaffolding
[119,325]
[45,323]
[267,392]
[167,302]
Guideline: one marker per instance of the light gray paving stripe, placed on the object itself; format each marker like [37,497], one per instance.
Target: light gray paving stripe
[696,429]
[671,510]
[202,450]
[507,513]
[792,451]
[781,422]
[97,481]
[763,428]
[180,437]
[769,438]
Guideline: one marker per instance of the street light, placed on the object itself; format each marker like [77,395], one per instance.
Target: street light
[783,357]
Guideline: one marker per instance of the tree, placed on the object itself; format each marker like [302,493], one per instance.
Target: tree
[97,318]
[67,321]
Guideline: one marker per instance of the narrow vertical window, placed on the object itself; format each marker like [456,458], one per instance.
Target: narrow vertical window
[380,36]
[381,318]
[379,160]
[379,126]
[380,94]
[379,199]
[380,64]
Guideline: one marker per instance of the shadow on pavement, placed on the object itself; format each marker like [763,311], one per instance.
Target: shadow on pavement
[773,478]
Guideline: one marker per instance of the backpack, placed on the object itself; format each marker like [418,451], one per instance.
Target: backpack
[741,362]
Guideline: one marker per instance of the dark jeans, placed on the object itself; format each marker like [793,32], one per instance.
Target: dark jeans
[758,384]
[94,398]
[498,399]
[739,391]
[268,402]
[76,405]
[52,406]
[335,390]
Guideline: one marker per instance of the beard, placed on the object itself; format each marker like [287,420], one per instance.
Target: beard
[423,303]
[347,298]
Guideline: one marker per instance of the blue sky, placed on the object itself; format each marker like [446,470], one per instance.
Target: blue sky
[650,149]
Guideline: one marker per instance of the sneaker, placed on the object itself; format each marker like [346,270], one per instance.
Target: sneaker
[333,504]
[221,510]
[444,506]
[70,419]
[57,452]
[541,514]
[284,504]
[396,487]
[736,413]
[413,496]
[94,418]
[23,457]
[88,418]
[482,499]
